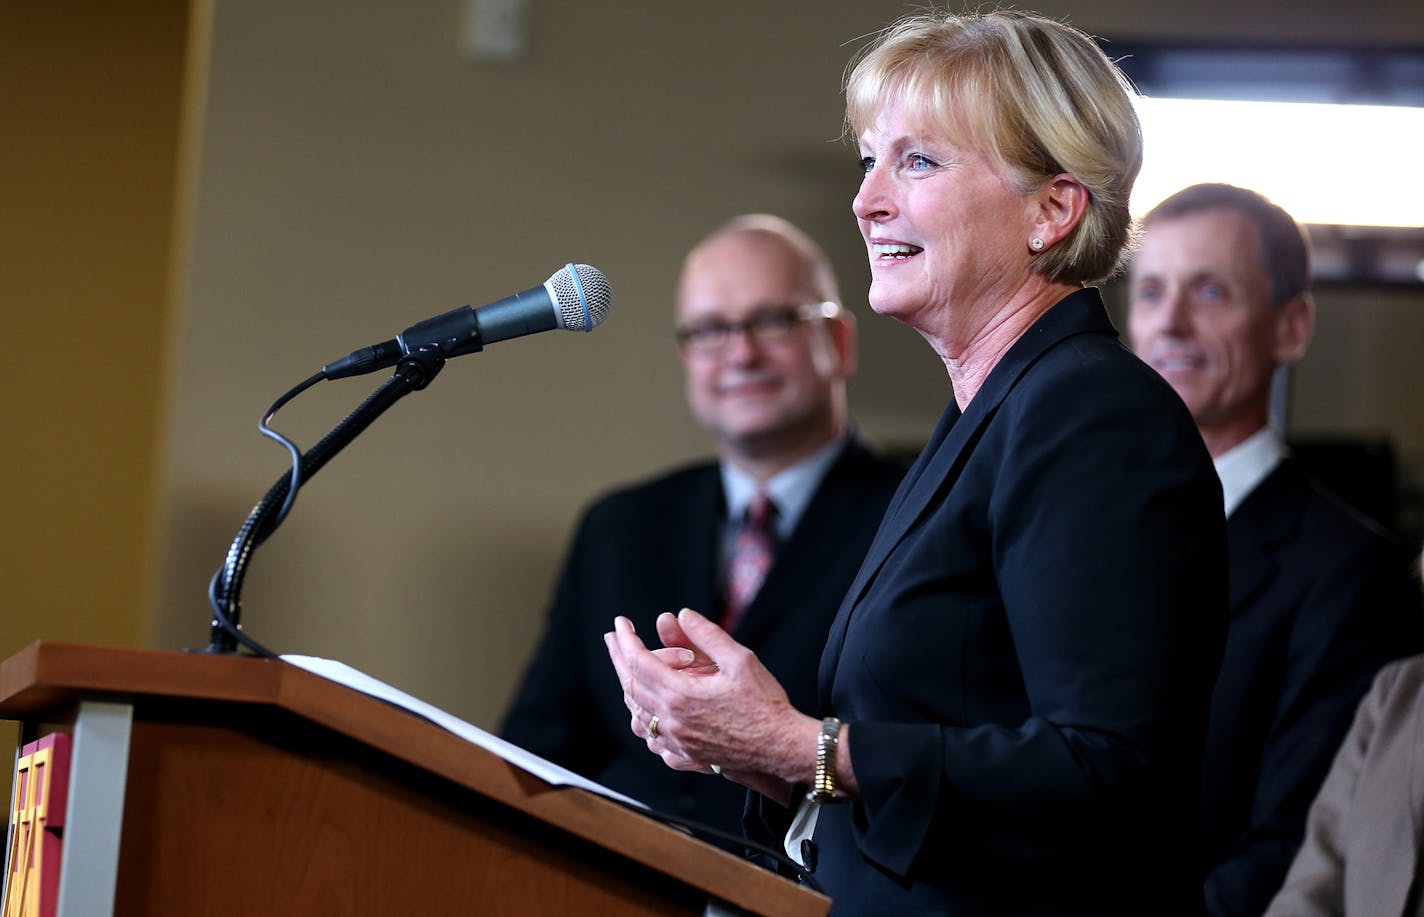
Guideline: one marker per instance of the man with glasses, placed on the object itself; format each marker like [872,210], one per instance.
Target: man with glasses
[766,539]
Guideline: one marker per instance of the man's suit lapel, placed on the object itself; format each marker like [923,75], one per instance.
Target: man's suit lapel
[1267,519]
[694,526]
[821,526]
[939,465]
[837,513]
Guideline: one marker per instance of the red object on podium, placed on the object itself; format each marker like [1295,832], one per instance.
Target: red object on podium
[41,792]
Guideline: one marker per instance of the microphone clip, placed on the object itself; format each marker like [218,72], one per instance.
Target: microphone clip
[456,333]
[420,367]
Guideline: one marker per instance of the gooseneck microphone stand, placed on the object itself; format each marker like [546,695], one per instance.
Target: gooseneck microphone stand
[414,372]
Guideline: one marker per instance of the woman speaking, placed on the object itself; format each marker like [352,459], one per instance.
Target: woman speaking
[1014,693]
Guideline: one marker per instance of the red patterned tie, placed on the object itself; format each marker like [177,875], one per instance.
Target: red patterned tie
[750,558]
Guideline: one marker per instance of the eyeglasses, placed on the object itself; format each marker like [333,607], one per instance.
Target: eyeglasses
[766,327]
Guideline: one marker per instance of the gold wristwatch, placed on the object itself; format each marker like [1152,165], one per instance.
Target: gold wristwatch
[824,788]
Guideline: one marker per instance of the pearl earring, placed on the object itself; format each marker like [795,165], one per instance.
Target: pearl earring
[1036,244]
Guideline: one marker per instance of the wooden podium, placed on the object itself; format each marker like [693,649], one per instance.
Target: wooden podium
[207,786]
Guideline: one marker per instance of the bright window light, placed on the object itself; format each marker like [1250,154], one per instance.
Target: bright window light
[1351,165]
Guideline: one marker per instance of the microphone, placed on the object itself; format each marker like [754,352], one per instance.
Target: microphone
[575,298]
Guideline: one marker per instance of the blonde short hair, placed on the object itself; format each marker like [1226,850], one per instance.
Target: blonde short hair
[1038,97]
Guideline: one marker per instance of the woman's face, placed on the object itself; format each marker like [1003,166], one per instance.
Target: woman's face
[946,233]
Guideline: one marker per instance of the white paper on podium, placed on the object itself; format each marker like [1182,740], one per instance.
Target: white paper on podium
[548,771]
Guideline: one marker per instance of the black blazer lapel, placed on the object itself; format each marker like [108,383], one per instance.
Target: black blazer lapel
[694,526]
[1267,518]
[935,471]
[828,542]
[817,532]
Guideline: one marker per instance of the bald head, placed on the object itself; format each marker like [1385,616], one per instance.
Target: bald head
[772,390]
[779,240]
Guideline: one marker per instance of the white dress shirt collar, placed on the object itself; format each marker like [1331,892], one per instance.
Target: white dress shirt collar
[790,489]
[1247,464]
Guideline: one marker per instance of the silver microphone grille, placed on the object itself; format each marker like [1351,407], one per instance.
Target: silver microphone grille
[583,295]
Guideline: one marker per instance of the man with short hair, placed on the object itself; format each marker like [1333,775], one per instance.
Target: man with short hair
[1320,598]
[766,539]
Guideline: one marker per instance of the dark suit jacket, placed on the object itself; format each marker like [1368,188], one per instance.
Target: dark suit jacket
[1025,659]
[653,548]
[1320,600]
[1361,854]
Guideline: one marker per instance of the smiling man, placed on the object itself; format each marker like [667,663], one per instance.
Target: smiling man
[1320,598]
[766,539]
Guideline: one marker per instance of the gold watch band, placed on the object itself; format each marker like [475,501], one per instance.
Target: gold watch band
[824,787]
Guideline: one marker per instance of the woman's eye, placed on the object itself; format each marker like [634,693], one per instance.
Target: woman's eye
[1213,292]
[866,164]
[918,162]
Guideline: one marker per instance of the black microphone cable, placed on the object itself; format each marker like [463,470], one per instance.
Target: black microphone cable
[226,586]
[294,483]
[295,479]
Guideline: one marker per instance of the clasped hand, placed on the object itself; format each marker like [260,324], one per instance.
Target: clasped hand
[703,699]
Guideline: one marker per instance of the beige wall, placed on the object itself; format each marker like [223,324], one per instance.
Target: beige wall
[357,173]
[90,97]
[90,105]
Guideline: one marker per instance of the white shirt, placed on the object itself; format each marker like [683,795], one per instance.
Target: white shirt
[1247,464]
[790,489]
